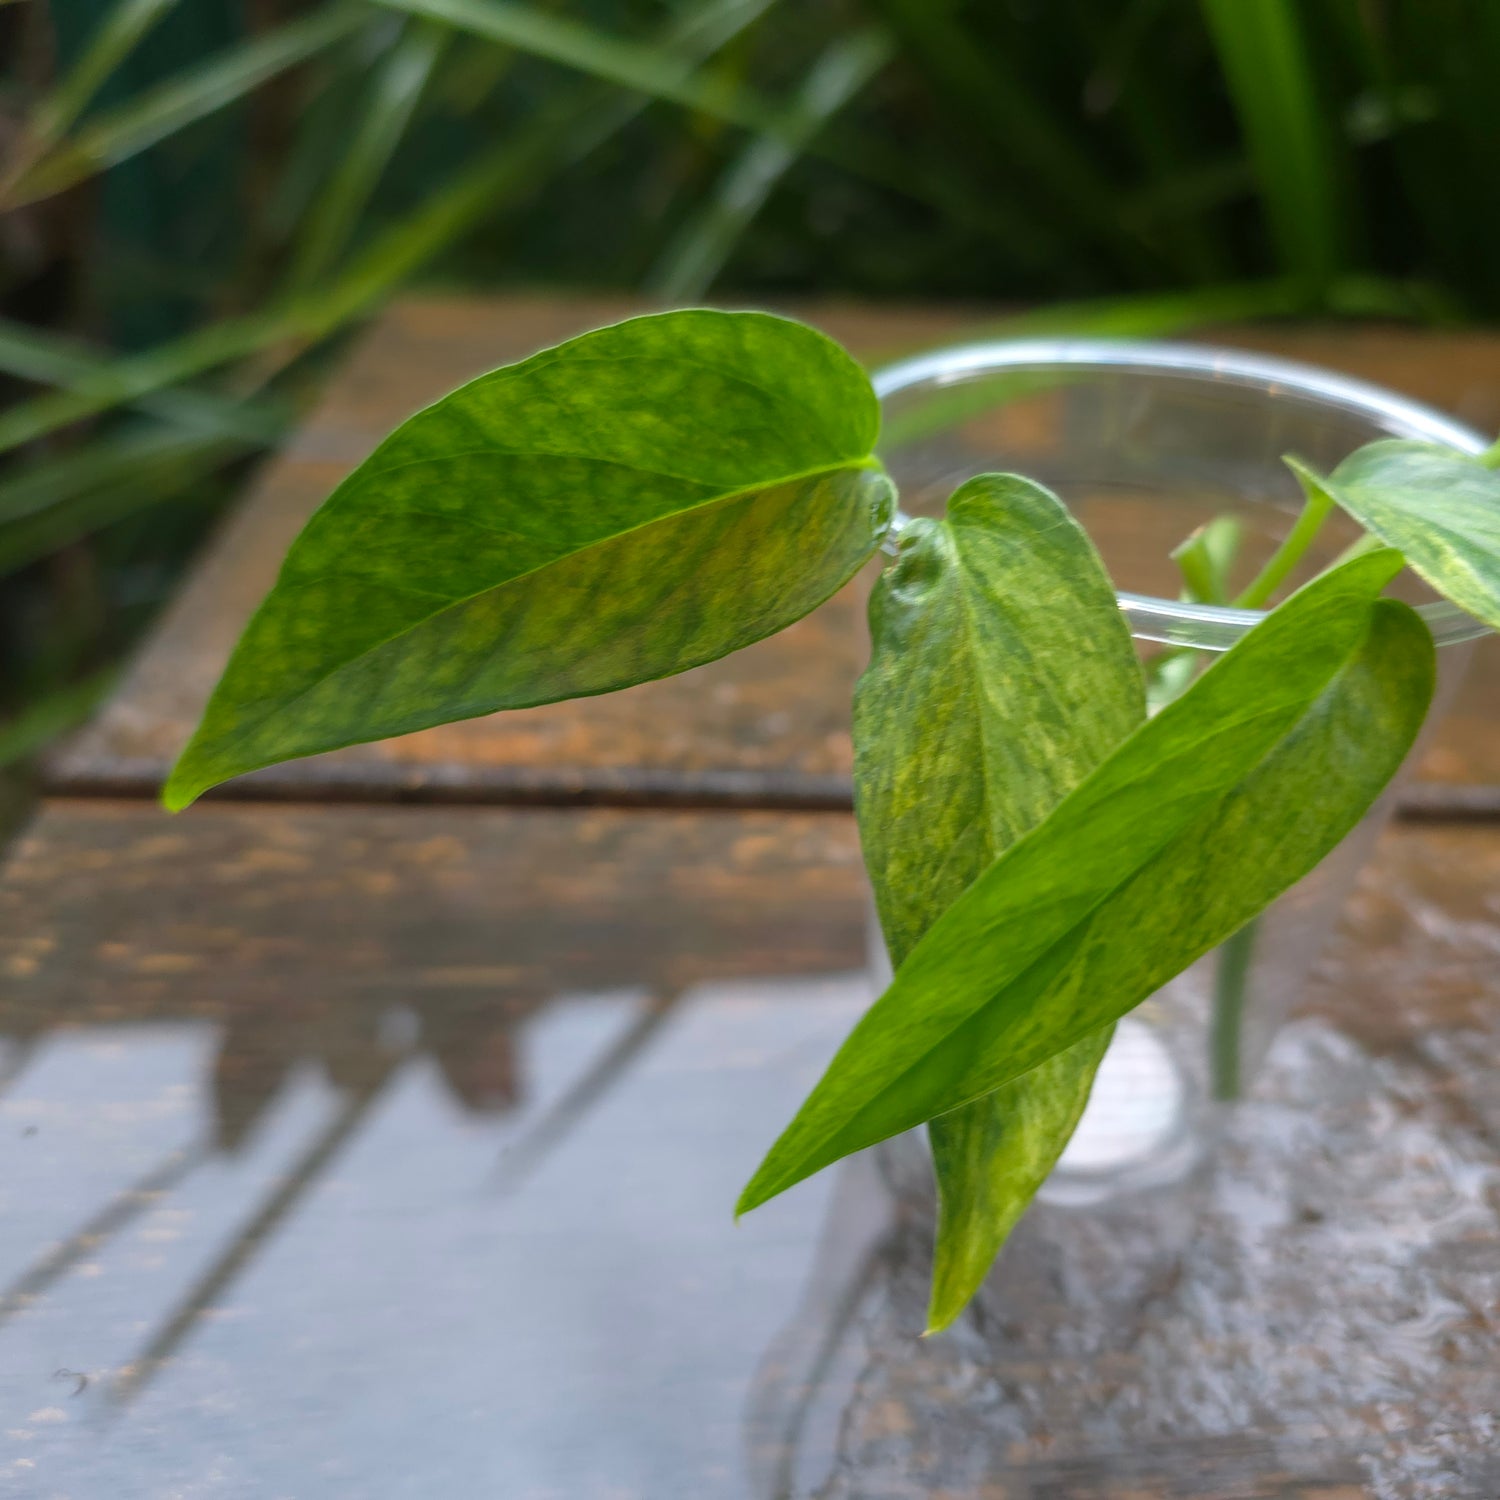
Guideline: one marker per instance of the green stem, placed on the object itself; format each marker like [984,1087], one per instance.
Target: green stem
[1228,1018]
[1490,458]
[1315,510]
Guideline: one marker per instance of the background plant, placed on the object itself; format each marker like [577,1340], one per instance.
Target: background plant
[201,199]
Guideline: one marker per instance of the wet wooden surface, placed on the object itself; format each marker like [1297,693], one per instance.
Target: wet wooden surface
[382,1152]
[766,727]
[359,1151]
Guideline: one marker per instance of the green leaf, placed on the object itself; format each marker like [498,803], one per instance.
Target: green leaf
[632,503]
[1439,507]
[1205,558]
[1195,824]
[992,1156]
[1002,673]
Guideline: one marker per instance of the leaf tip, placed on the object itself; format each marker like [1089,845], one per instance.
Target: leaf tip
[175,801]
[771,1179]
[750,1199]
[1304,470]
[183,785]
[943,1309]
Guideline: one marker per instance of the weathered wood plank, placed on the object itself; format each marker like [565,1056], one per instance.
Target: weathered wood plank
[768,726]
[397,1146]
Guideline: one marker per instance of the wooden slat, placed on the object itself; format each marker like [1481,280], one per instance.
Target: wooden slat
[397,1146]
[768,726]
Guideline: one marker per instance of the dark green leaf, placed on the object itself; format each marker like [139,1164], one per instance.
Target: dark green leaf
[1439,507]
[1002,673]
[1204,816]
[632,503]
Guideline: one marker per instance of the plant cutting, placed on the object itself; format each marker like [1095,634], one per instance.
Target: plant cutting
[1051,832]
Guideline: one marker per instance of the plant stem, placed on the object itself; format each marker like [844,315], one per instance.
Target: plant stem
[1315,510]
[1229,1011]
[1490,458]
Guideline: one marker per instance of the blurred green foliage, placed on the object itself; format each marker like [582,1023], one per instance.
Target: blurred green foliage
[199,198]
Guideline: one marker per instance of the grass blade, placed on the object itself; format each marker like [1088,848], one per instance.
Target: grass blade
[42,529]
[106,463]
[113,41]
[198,92]
[55,714]
[49,360]
[654,70]
[996,102]
[1263,55]
[394,94]
[577,124]
[700,250]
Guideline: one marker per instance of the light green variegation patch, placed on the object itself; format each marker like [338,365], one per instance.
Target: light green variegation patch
[632,503]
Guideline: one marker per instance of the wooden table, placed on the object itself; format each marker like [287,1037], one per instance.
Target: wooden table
[354,1149]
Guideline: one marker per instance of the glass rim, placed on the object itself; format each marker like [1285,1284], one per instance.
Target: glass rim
[1206,627]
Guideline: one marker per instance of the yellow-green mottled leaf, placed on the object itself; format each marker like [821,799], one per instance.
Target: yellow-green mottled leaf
[632,503]
[1001,674]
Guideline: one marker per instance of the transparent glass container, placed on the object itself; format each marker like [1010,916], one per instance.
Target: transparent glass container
[1144,442]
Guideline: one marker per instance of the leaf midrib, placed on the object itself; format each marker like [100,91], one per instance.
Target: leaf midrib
[357,480]
[981,694]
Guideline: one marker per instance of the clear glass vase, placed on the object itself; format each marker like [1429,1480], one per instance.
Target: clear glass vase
[1144,442]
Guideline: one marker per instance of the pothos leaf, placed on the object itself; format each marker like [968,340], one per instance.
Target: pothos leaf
[1440,508]
[1193,826]
[624,506]
[1002,673]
